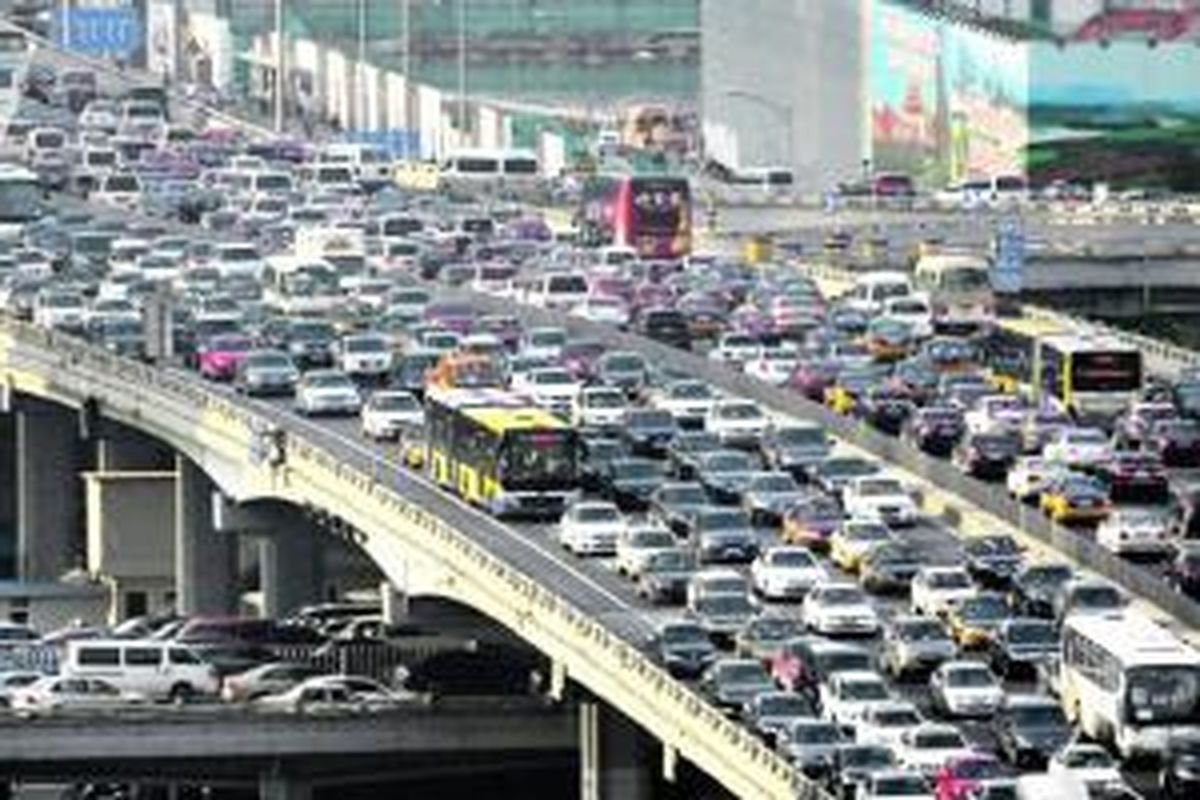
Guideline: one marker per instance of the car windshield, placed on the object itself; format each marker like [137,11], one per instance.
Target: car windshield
[744,673]
[366,345]
[985,608]
[672,561]
[268,361]
[1038,715]
[792,558]
[729,462]
[784,705]
[1032,632]
[815,734]
[1097,597]
[849,467]
[725,604]
[864,690]
[843,596]
[691,390]
[969,677]
[978,768]
[950,580]
[624,363]
[597,514]
[739,411]
[923,631]
[604,399]
[774,628]
[800,437]
[897,718]
[774,483]
[724,521]
[940,739]
[330,380]
[395,402]
[870,757]
[684,635]
[636,470]
[902,786]
[1088,758]
[651,420]
[879,487]
[684,496]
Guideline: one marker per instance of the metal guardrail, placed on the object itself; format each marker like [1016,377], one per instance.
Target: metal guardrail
[1082,551]
[46,363]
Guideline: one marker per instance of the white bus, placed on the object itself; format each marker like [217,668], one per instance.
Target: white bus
[15,54]
[1128,682]
[21,200]
[301,285]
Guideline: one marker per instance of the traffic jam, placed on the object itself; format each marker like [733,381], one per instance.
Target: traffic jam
[795,580]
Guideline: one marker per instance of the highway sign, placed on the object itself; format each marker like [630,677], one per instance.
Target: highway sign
[1008,263]
[99,31]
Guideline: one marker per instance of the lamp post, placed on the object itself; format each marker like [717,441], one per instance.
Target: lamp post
[782,111]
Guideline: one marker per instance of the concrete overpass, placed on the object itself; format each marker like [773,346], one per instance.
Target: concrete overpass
[425,542]
[284,754]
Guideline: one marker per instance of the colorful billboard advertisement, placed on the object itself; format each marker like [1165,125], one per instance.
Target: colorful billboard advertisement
[947,102]
[1124,113]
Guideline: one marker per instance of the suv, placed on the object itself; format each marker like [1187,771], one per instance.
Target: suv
[665,325]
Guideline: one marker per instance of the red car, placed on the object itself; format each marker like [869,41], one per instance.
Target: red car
[960,776]
[220,357]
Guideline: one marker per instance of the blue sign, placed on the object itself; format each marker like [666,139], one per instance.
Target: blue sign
[1008,266]
[99,31]
[398,142]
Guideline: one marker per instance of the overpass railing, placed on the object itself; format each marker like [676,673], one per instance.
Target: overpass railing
[1079,549]
[613,667]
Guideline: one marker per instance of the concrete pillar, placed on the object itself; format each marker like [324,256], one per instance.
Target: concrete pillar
[205,560]
[121,449]
[290,564]
[49,491]
[8,496]
[613,756]
[276,786]
[394,603]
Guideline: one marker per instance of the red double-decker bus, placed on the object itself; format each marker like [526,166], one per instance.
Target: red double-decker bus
[651,214]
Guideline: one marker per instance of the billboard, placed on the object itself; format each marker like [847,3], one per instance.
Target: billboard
[1122,112]
[946,102]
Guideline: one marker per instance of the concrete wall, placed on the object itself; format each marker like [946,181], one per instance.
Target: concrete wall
[770,65]
[47,607]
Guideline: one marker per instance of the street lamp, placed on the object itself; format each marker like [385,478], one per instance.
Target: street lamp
[783,111]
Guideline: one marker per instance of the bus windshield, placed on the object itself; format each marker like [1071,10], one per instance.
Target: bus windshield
[659,204]
[1106,371]
[1162,694]
[538,460]
[20,200]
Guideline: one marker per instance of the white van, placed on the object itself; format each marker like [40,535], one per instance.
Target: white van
[559,291]
[371,164]
[872,290]
[959,287]
[270,182]
[121,190]
[238,259]
[159,670]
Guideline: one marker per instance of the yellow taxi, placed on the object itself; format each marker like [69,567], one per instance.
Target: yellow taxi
[975,620]
[1073,497]
[853,539]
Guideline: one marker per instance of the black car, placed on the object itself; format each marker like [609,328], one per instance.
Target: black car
[684,648]
[992,560]
[665,576]
[886,408]
[666,325]
[594,455]
[648,432]
[725,474]
[686,448]
[1184,570]
[1179,776]
[1029,728]
[769,712]
[629,482]
[795,448]
[1186,396]
[1034,588]
[853,763]
[310,342]
[1135,475]
[1020,644]
[988,456]
[889,566]
[1177,441]
[674,504]
[934,429]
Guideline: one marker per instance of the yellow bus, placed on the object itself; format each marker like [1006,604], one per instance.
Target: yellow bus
[499,451]
[1089,375]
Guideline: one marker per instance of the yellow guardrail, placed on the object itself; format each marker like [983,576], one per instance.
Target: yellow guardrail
[218,434]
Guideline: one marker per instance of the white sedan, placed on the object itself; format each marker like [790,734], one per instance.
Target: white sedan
[591,527]
[884,723]
[327,391]
[1136,531]
[928,746]
[638,545]
[839,608]
[936,590]
[785,572]
[1090,763]
[1029,477]
[56,693]
[1078,447]
[965,689]
[879,497]
[386,413]
[848,694]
